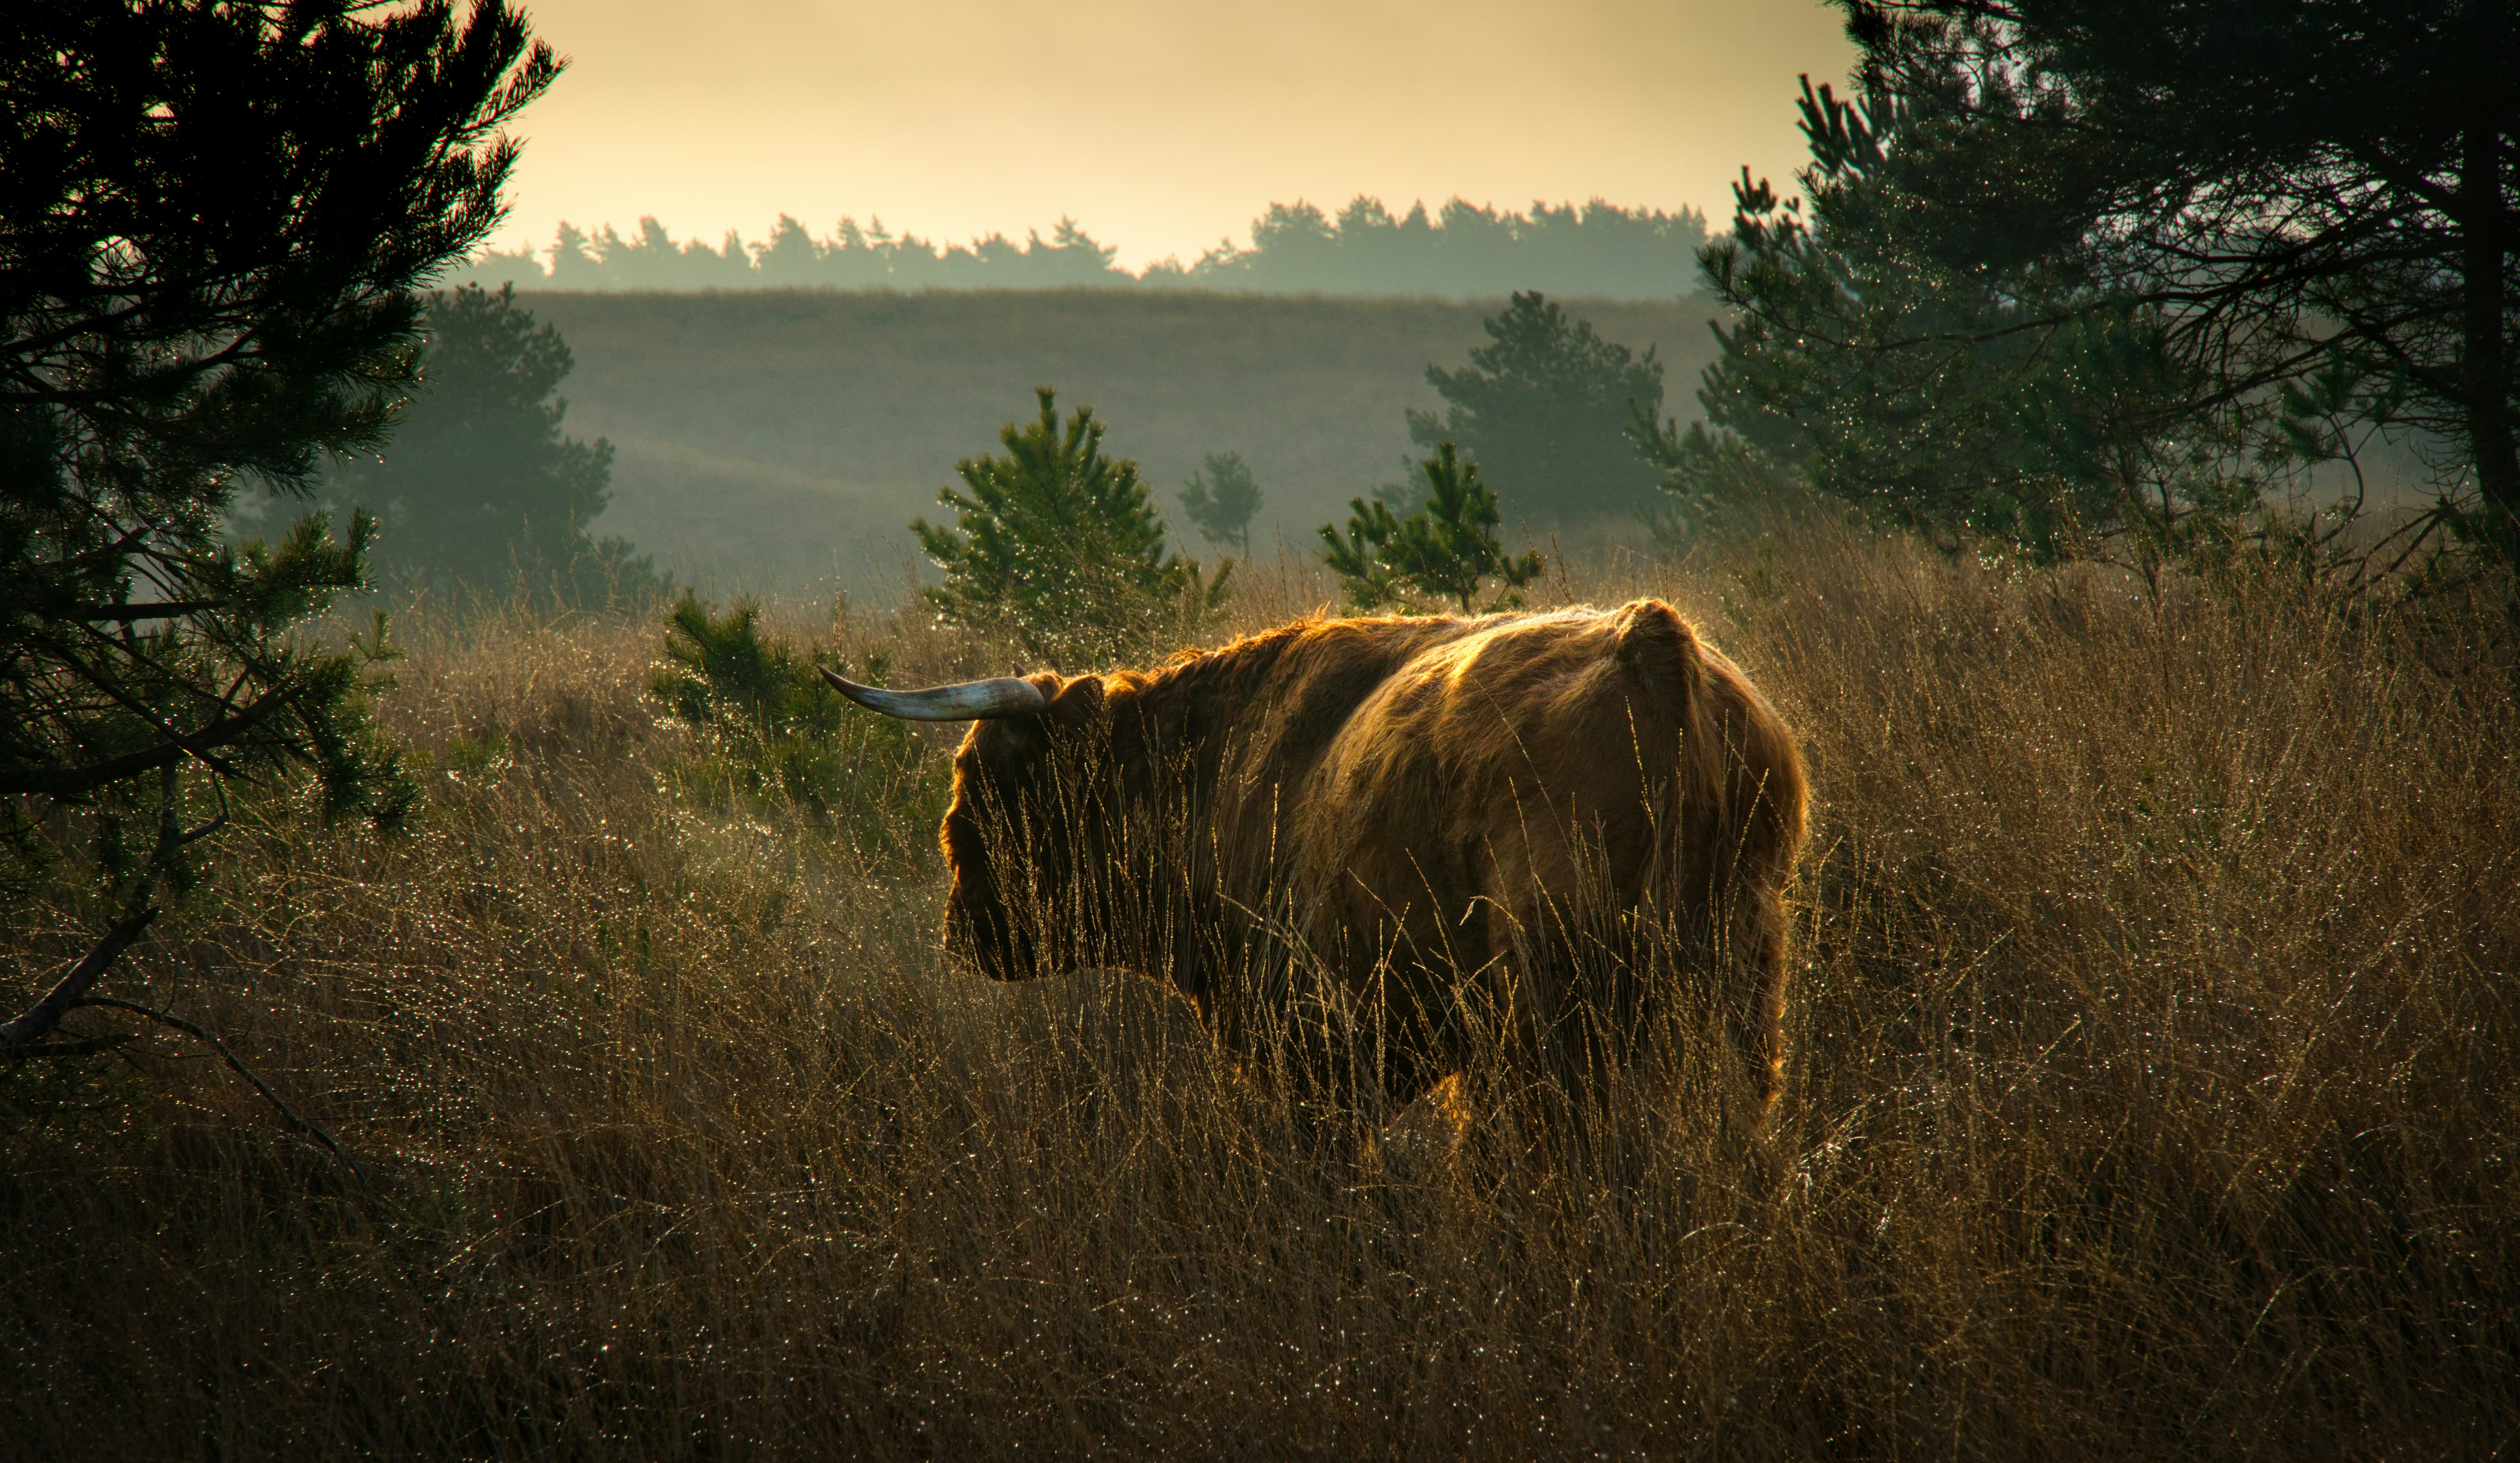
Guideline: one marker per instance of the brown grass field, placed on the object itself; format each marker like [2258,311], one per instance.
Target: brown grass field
[2152,1094]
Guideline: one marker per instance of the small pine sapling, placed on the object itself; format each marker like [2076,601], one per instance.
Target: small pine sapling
[770,731]
[1056,541]
[1443,551]
[1357,558]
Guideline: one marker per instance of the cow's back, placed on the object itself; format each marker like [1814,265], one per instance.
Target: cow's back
[1519,781]
[1472,772]
[1417,799]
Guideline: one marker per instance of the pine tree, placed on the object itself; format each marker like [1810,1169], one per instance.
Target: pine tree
[1222,498]
[1543,409]
[1057,542]
[1442,551]
[2014,392]
[2286,189]
[479,489]
[215,221]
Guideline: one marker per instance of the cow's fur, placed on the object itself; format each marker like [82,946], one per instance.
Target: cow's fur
[1406,817]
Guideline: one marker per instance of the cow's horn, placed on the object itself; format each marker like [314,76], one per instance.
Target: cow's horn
[969,701]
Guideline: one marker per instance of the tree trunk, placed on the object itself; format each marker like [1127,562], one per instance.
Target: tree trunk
[38,1019]
[2485,351]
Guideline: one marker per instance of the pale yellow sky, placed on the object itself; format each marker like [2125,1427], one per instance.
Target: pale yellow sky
[1158,126]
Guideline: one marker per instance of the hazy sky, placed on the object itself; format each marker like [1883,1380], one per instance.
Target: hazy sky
[1159,126]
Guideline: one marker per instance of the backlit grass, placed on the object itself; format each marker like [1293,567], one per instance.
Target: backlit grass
[2151,1094]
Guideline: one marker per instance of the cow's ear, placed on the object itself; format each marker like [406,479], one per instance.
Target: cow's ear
[1018,736]
[1077,704]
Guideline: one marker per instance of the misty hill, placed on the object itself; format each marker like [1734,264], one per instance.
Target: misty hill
[772,439]
[1463,251]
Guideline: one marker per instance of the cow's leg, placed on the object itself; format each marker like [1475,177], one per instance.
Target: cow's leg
[1424,1141]
[1751,959]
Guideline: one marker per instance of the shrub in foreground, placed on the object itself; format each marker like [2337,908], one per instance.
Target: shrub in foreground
[770,733]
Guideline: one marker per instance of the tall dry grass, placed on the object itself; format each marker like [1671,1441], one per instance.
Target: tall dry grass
[2152,1096]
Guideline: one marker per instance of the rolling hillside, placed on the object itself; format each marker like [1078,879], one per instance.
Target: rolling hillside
[772,441]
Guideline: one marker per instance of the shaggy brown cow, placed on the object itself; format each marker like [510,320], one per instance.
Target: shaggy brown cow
[1424,822]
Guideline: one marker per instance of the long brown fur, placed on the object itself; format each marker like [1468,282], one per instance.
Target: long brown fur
[1418,809]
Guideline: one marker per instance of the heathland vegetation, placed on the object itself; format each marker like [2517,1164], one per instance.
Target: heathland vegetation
[2150,1091]
[525,1033]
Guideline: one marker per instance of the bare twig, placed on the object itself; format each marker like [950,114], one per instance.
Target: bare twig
[296,1124]
[219,785]
[154,609]
[40,1018]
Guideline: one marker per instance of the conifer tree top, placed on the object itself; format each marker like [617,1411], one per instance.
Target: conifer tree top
[1057,541]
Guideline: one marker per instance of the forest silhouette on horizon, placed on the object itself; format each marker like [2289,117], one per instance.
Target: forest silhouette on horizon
[1461,250]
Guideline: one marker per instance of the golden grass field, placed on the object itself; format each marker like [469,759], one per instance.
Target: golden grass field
[2152,1094]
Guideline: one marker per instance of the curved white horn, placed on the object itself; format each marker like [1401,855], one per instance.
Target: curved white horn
[968,701]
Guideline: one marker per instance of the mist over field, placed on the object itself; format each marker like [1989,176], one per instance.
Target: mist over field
[781,441]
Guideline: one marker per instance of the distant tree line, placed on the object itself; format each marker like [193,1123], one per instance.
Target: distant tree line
[1599,249]
[871,257]
[1462,250]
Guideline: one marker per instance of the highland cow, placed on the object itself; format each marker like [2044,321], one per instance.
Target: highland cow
[1363,841]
